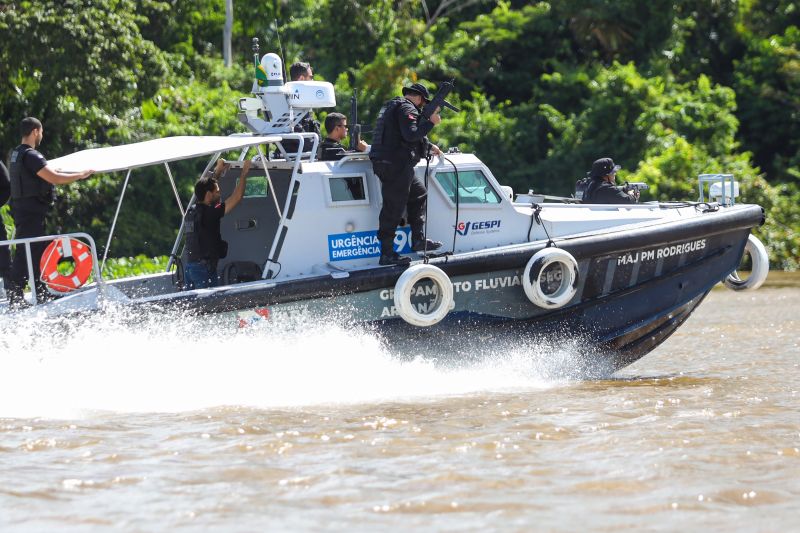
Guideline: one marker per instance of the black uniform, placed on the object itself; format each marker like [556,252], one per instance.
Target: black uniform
[331,150]
[399,142]
[602,192]
[204,245]
[31,200]
[308,125]
[5,194]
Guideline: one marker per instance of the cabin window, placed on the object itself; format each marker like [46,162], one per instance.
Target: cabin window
[347,190]
[256,186]
[473,187]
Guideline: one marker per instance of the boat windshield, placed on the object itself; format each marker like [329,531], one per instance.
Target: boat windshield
[473,187]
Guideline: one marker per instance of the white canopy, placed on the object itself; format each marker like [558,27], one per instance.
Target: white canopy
[153,152]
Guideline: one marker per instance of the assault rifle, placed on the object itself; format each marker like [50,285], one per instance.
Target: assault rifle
[355,127]
[438,100]
[634,186]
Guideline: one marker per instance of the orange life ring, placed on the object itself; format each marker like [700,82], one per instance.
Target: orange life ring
[61,249]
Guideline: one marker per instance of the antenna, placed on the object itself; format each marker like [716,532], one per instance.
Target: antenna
[283,56]
[255,52]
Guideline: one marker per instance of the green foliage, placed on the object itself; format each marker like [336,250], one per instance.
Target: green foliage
[77,65]
[767,83]
[780,233]
[669,88]
[125,267]
[6,220]
[488,55]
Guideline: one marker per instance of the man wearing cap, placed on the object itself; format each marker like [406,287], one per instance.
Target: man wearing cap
[399,142]
[602,189]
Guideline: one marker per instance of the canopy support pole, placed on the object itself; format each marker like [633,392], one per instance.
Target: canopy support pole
[175,190]
[269,180]
[114,222]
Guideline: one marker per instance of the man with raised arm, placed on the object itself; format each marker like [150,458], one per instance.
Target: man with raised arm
[204,243]
[32,196]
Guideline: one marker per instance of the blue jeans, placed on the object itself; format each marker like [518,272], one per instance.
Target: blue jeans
[200,275]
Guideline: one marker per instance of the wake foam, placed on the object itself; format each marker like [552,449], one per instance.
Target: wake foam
[167,362]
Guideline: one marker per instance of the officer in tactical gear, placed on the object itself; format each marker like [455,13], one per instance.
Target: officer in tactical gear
[5,251]
[204,244]
[32,197]
[602,189]
[399,142]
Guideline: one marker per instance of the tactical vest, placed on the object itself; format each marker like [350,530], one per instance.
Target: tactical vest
[198,248]
[589,192]
[385,140]
[26,184]
[582,189]
[191,229]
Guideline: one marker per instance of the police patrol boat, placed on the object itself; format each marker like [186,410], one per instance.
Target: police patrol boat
[618,279]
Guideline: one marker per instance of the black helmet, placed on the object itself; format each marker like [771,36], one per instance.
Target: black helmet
[603,167]
[418,88]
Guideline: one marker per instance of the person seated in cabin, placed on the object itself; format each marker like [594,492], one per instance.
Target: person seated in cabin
[602,189]
[337,128]
[204,243]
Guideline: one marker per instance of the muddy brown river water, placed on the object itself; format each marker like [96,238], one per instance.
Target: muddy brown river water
[160,428]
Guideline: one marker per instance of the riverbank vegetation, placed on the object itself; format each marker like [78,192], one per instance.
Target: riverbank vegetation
[669,88]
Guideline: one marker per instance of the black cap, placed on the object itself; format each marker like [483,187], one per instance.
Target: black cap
[603,167]
[418,88]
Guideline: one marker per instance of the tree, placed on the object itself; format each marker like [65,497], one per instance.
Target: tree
[767,84]
[81,67]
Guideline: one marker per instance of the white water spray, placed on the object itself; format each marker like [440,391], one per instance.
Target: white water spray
[170,363]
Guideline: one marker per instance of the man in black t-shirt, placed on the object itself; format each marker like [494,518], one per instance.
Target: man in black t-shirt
[32,194]
[204,244]
[331,148]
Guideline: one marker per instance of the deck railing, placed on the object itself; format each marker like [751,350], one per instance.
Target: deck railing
[27,243]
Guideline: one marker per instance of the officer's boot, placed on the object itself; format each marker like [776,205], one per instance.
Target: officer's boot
[425,245]
[389,256]
[419,243]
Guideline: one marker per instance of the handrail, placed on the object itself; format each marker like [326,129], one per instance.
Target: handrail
[351,156]
[27,242]
[724,179]
[283,221]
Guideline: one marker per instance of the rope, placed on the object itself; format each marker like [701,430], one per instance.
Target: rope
[425,245]
[456,197]
[535,215]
